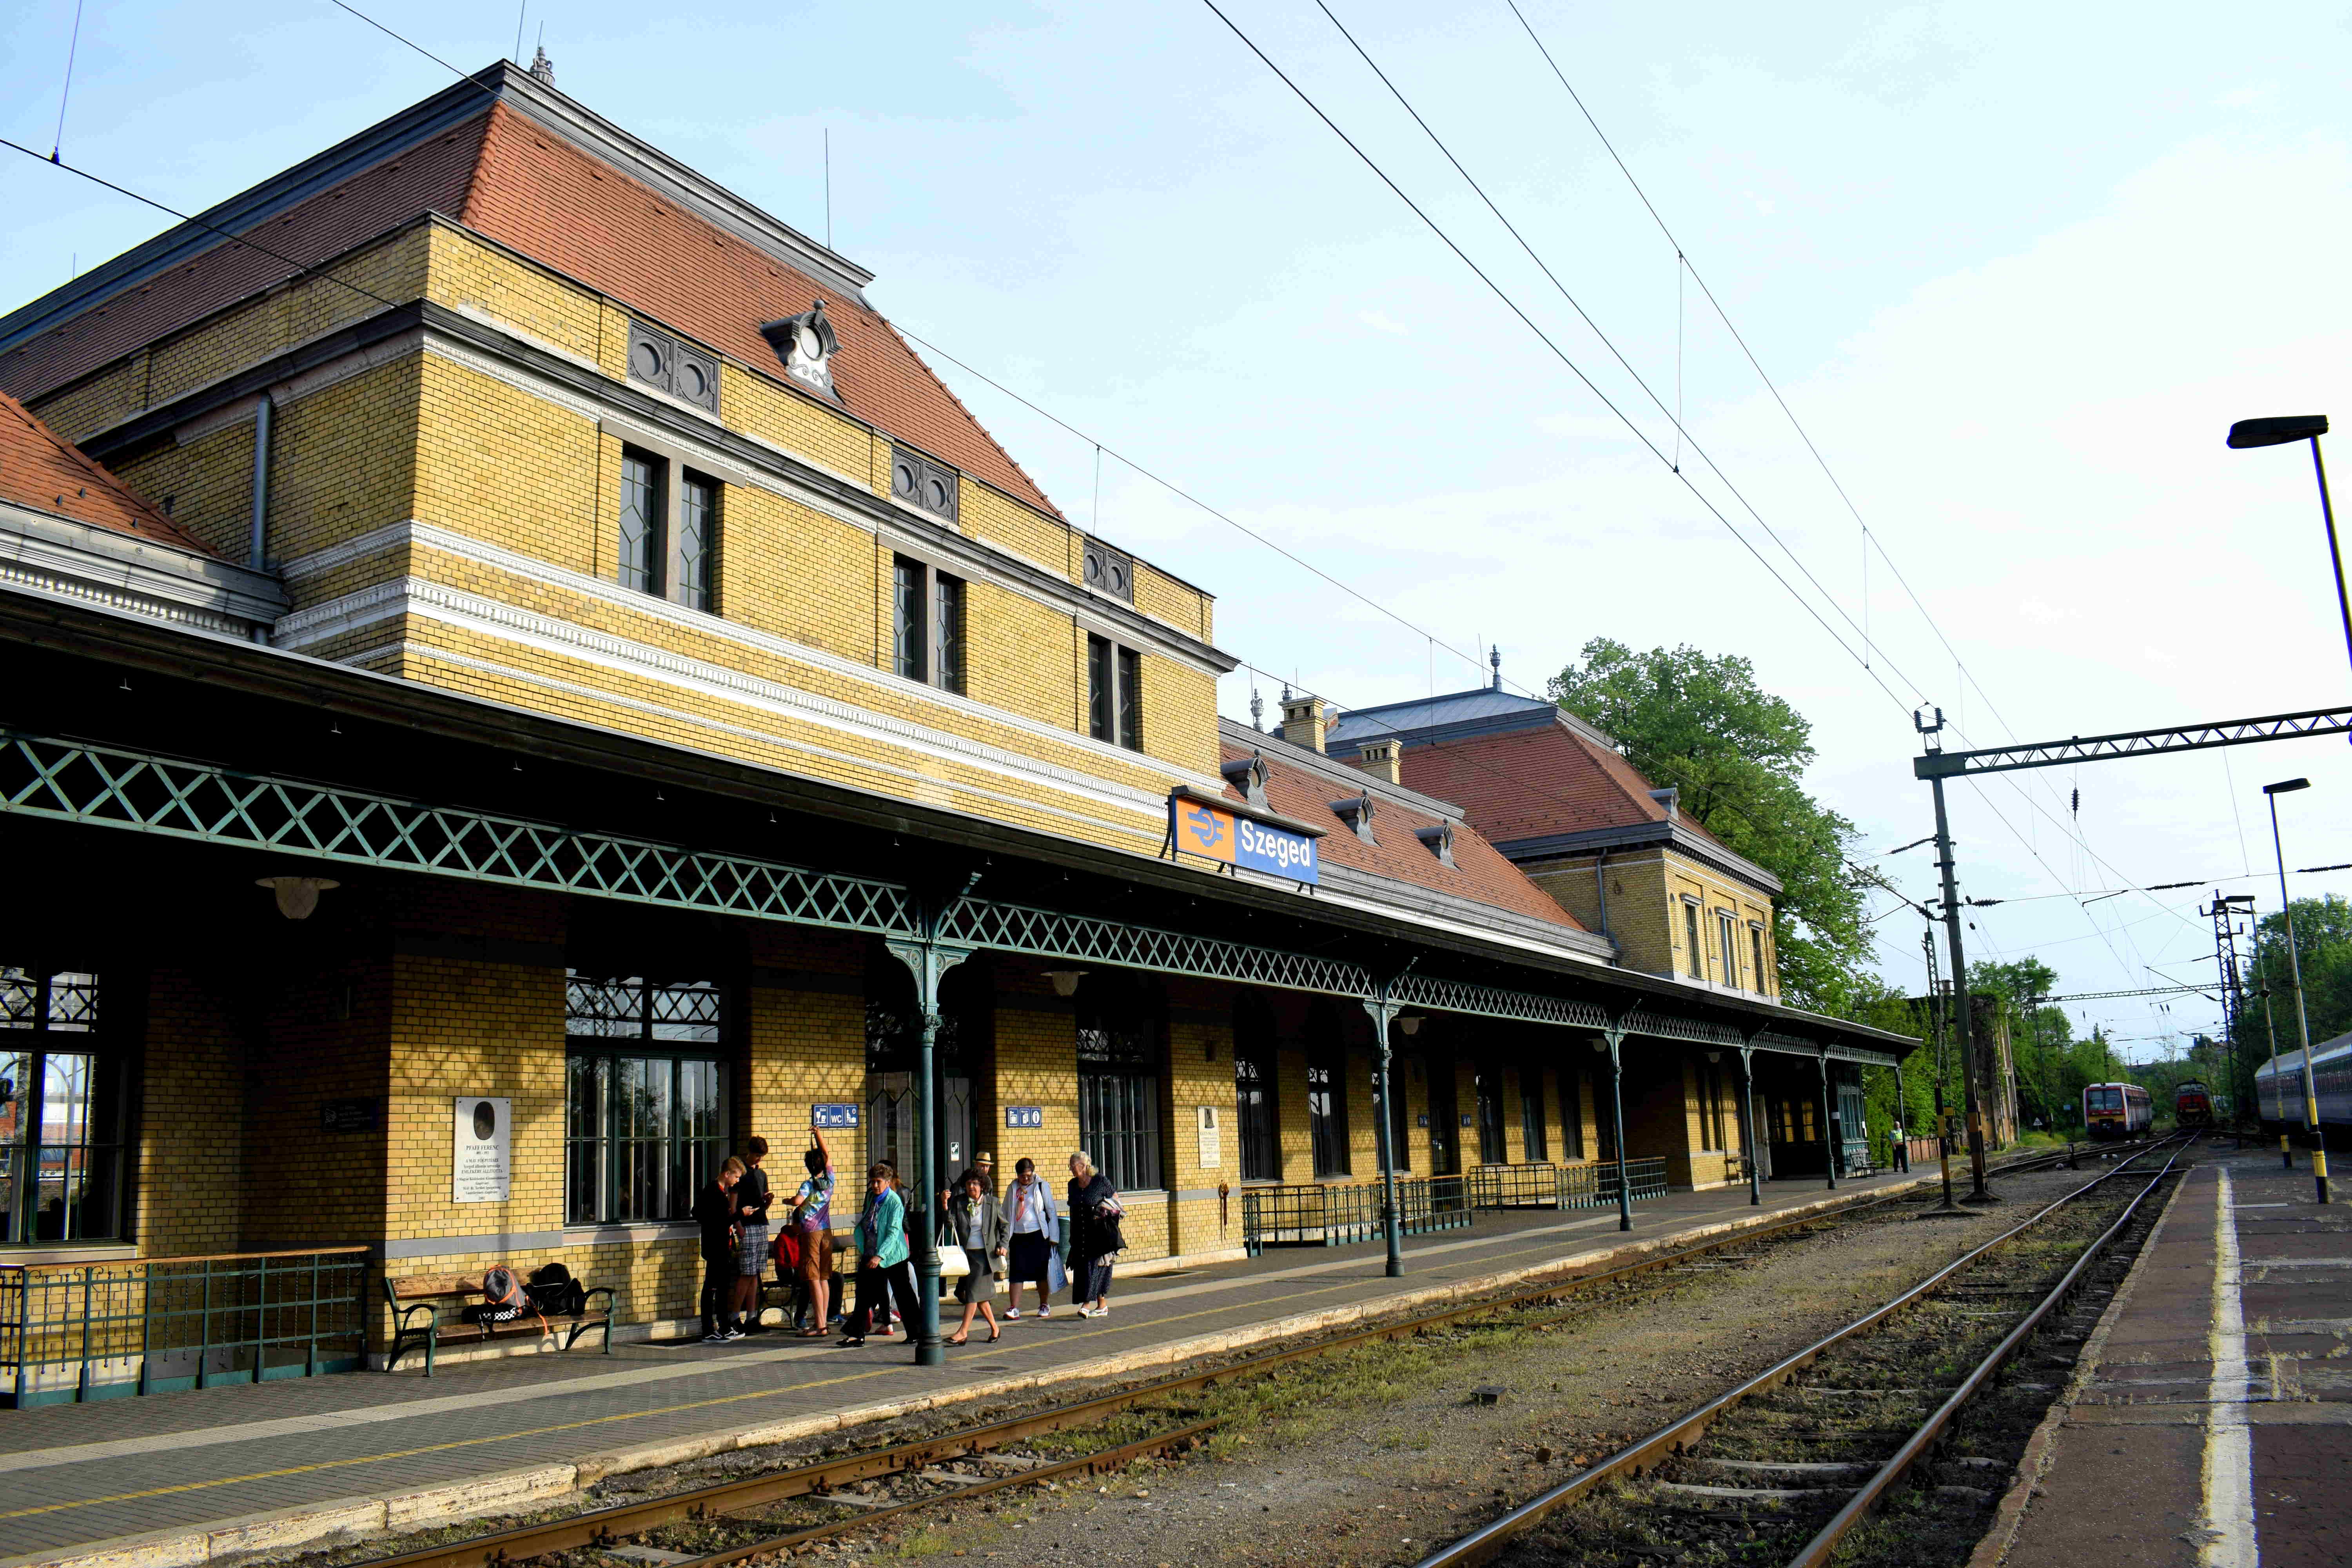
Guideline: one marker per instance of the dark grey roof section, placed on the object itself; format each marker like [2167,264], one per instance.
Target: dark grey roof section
[1453,716]
[1345,774]
[420,123]
[41,552]
[1527,853]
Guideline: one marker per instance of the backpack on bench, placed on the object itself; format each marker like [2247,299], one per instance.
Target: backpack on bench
[553,1293]
[502,1299]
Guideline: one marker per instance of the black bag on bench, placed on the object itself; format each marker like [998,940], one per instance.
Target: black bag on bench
[554,1293]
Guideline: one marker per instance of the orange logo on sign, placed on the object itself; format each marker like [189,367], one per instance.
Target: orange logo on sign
[1205,831]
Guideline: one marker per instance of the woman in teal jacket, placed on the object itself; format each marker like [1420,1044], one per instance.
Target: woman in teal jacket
[881,1242]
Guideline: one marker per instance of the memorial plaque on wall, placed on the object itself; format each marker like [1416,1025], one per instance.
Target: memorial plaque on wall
[481,1161]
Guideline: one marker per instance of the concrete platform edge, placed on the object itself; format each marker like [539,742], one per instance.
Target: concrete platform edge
[512,1490]
[2008,1516]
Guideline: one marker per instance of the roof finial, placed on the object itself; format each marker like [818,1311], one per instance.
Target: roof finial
[1257,709]
[542,70]
[1494,658]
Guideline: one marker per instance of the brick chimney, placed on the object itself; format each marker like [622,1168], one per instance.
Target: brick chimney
[1302,720]
[1382,759]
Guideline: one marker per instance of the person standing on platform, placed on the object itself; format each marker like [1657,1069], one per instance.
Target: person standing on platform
[714,1211]
[1036,1231]
[882,1257]
[753,1197]
[976,1223]
[1094,1239]
[812,1221]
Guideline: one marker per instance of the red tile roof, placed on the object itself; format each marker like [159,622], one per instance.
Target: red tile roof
[1478,872]
[430,177]
[1535,783]
[40,471]
[513,180]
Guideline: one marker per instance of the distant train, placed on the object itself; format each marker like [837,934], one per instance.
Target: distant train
[2191,1106]
[2278,1086]
[2116,1110]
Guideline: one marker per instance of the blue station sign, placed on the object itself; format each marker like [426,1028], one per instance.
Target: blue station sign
[1215,834]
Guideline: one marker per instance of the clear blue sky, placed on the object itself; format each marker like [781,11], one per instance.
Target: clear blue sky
[2017,266]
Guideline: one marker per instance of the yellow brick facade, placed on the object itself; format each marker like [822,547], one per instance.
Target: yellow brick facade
[1644,899]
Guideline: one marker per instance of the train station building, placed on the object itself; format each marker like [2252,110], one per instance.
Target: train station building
[522,680]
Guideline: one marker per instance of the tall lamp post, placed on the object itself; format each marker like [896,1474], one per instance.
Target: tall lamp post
[2308,428]
[2294,972]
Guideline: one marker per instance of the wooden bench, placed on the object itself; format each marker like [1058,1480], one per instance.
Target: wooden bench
[419,1300]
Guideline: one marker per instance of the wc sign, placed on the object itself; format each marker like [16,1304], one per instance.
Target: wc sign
[1198,828]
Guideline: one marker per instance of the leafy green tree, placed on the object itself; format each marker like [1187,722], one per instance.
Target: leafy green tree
[1738,754]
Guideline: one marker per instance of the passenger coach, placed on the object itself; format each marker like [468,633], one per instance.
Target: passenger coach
[2116,1110]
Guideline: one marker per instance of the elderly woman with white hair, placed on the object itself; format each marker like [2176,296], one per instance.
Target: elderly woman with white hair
[1095,1240]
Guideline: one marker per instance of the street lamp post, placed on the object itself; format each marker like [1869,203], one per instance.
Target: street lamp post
[2308,428]
[2294,972]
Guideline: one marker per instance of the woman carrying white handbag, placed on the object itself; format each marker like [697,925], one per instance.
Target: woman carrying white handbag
[975,1232]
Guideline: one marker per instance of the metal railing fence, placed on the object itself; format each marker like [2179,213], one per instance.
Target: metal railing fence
[1334,1215]
[73,1331]
[1563,1186]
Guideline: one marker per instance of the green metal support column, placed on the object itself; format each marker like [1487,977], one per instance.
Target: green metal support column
[1828,1143]
[930,960]
[1900,1160]
[1383,1012]
[1747,1099]
[1613,1041]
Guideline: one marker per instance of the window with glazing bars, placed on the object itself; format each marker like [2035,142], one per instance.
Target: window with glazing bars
[909,625]
[1488,1082]
[641,513]
[1690,938]
[61,1112]
[1531,1115]
[1571,1113]
[1400,1124]
[645,1098]
[1710,1107]
[1118,1099]
[1727,937]
[698,529]
[1114,693]
[1256,1112]
[927,624]
[1756,941]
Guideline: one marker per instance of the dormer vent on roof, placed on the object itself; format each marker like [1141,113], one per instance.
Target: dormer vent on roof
[806,344]
[1248,775]
[1672,799]
[1357,815]
[1439,840]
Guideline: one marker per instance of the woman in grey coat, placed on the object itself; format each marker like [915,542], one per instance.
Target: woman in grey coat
[976,1223]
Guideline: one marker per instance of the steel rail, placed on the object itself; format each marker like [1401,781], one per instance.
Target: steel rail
[1816,1550]
[599,1526]
[1484,1543]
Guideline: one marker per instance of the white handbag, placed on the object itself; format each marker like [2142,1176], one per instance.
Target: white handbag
[953,1264]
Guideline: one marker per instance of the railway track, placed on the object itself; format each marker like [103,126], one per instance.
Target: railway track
[765,1514]
[1793,1462]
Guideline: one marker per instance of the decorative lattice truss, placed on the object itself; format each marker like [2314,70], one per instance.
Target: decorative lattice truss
[103,786]
[1016,927]
[1456,997]
[89,784]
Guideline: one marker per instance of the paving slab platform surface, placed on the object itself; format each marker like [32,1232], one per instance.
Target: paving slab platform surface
[180,1479]
[2209,1423]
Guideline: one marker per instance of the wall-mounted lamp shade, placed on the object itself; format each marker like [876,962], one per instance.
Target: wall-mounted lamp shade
[297,896]
[2289,787]
[1065,981]
[2277,432]
[1409,1023]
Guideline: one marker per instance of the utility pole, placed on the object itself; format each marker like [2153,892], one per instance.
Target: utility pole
[2225,911]
[1962,1012]
[1943,1117]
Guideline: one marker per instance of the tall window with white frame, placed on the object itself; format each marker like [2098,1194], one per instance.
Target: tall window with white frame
[1255,1058]
[1755,946]
[667,533]
[1690,938]
[1114,693]
[645,1098]
[61,1112]
[926,624]
[1726,933]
